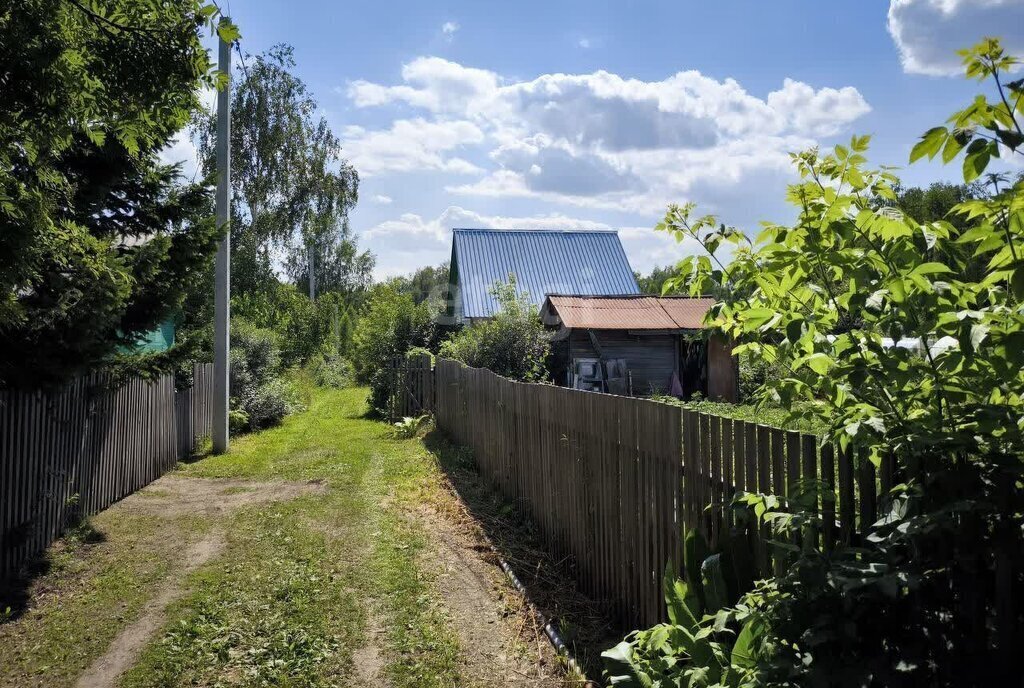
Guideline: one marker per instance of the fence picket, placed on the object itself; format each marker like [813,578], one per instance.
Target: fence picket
[90,442]
[611,482]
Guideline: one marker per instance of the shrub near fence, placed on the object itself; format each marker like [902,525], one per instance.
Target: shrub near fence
[74,452]
[612,481]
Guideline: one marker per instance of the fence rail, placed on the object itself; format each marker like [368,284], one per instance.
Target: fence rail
[78,450]
[612,481]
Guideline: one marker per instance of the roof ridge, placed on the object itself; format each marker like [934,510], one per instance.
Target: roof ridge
[538,231]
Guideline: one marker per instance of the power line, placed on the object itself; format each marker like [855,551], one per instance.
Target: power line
[241,57]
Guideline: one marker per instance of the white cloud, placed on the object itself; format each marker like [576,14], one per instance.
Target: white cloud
[448,29]
[381,199]
[723,179]
[584,43]
[554,166]
[685,110]
[432,83]
[601,140]
[817,113]
[181,150]
[410,146]
[439,229]
[929,32]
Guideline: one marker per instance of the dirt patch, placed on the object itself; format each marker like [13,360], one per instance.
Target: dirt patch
[172,496]
[125,648]
[499,637]
[368,659]
[481,517]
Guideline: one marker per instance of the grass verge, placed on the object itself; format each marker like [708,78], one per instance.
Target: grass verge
[288,599]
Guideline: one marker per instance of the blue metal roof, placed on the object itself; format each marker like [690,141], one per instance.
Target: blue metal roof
[543,261]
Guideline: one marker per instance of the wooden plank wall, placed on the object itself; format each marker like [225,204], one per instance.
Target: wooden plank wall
[412,387]
[612,482]
[723,371]
[76,451]
[651,358]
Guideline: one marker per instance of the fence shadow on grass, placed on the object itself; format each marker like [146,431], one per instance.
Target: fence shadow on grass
[583,623]
[16,589]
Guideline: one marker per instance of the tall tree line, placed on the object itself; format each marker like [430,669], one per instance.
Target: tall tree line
[292,190]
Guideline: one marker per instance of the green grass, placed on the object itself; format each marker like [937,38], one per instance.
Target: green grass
[276,609]
[89,593]
[772,416]
[300,577]
[287,602]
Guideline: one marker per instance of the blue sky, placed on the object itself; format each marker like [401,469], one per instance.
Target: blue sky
[592,114]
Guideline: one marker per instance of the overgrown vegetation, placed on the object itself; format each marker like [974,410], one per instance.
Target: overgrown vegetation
[259,394]
[513,343]
[763,413]
[99,242]
[928,597]
[389,325]
[291,196]
[695,647]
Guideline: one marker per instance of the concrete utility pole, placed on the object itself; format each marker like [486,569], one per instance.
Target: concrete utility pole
[222,285]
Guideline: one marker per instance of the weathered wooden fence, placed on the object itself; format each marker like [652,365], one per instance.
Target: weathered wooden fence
[412,386]
[613,481]
[76,451]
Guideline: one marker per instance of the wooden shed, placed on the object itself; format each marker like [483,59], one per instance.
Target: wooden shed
[660,341]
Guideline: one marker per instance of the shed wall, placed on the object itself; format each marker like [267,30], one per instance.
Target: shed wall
[651,359]
[723,373]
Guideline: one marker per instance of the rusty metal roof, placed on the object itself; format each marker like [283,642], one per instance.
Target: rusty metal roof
[626,312]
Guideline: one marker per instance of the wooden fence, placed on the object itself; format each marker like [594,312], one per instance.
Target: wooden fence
[74,452]
[412,386]
[613,481]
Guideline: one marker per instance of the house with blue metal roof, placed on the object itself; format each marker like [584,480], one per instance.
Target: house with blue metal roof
[543,262]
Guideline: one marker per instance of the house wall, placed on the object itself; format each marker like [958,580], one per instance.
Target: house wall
[457,304]
[651,359]
[723,371]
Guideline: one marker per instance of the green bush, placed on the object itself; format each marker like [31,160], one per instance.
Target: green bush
[389,324]
[304,329]
[756,372]
[256,385]
[930,595]
[513,344]
[331,370]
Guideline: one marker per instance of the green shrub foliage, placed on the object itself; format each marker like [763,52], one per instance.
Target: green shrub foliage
[389,324]
[707,641]
[99,242]
[257,388]
[931,597]
[331,370]
[513,343]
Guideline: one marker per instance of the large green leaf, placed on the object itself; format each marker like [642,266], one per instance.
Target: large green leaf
[683,605]
[716,592]
[695,551]
[743,649]
[621,670]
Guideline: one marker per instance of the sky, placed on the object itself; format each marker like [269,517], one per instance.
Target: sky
[580,115]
